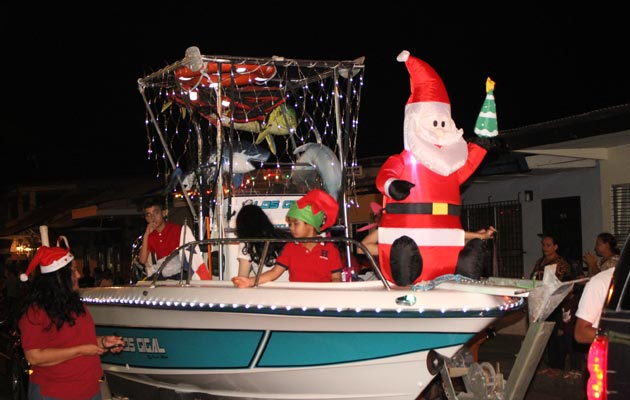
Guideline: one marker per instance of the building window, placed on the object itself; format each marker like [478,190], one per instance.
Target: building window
[621,212]
[504,257]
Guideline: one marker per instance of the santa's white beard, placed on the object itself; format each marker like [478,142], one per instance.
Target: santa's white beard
[442,160]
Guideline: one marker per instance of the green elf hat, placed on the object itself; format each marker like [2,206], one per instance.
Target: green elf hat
[316,208]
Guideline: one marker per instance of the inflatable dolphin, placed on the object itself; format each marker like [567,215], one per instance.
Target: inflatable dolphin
[323,161]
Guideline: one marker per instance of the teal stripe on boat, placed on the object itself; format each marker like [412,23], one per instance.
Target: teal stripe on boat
[185,348]
[295,349]
[233,349]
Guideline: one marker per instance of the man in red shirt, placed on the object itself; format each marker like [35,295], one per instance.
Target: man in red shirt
[161,238]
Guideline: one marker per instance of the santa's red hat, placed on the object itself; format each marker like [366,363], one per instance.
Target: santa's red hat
[50,260]
[428,92]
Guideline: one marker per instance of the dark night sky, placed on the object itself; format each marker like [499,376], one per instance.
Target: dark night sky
[72,108]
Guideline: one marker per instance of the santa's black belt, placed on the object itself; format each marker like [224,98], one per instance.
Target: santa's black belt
[423,208]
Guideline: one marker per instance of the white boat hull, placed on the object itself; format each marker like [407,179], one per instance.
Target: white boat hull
[286,340]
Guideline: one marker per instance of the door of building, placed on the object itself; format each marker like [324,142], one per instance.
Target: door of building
[562,217]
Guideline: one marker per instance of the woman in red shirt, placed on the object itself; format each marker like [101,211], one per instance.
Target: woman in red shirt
[58,334]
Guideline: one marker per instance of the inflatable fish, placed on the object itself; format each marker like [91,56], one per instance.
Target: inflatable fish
[244,154]
[282,121]
[323,161]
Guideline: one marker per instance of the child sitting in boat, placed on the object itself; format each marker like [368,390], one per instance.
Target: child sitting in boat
[251,223]
[306,261]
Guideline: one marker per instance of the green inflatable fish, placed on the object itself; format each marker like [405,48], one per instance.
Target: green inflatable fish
[282,121]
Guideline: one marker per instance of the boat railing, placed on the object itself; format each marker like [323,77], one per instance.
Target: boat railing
[189,249]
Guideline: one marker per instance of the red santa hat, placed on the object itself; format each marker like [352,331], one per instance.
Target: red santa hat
[316,208]
[428,93]
[50,260]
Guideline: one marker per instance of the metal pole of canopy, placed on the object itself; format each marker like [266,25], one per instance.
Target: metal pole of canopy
[342,163]
[200,220]
[218,207]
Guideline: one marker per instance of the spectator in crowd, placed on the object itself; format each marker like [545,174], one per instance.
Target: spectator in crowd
[549,245]
[13,292]
[87,280]
[558,347]
[606,254]
[590,307]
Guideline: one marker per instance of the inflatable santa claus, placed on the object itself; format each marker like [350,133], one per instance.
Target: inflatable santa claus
[420,233]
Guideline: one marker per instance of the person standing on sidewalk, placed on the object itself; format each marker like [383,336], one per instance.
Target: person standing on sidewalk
[590,307]
[607,251]
[557,348]
[58,333]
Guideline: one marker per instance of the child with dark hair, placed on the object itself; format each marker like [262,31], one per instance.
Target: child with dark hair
[253,223]
[306,261]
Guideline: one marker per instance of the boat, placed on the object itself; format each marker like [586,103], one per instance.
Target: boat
[197,339]
[286,340]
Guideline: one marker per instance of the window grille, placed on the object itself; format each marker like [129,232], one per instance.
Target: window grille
[621,212]
[507,246]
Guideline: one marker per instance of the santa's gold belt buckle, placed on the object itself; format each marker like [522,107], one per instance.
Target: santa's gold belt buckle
[440,209]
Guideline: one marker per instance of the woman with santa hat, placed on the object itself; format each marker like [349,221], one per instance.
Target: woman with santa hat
[58,334]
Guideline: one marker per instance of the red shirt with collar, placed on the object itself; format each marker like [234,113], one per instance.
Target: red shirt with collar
[306,265]
[163,243]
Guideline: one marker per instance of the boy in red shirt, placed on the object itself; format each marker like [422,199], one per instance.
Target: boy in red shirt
[161,238]
[306,261]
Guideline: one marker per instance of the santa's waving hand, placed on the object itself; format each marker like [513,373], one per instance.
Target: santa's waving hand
[420,234]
